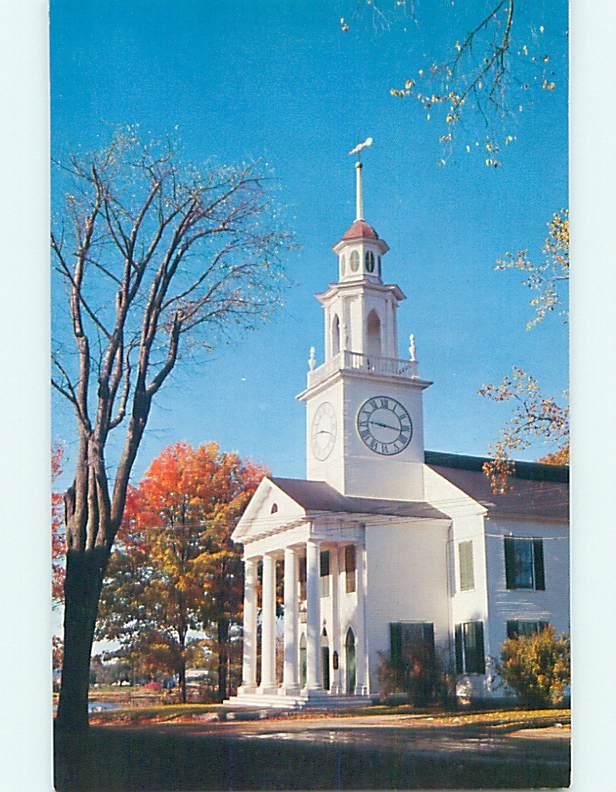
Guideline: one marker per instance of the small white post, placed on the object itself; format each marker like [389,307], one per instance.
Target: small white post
[311,359]
[413,364]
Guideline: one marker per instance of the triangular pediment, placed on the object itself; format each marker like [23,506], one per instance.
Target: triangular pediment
[270,510]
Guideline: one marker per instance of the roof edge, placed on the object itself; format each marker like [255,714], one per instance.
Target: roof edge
[534,471]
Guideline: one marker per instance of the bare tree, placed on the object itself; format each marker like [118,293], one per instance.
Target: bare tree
[155,257]
[536,416]
[495,63]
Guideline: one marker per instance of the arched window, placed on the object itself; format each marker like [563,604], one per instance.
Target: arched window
[324,660]
[274,508]
[342,265]
[378,272]
[302,661]
[335,335]
[369,261]
[373,334]
[349,646]
[354,261]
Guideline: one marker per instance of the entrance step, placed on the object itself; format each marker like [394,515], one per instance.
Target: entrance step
[314,700]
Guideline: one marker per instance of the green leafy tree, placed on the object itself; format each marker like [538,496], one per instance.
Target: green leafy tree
[153,258]
[537,667]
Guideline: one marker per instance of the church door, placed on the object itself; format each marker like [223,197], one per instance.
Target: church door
[324,661]
[302,662]
[350,662]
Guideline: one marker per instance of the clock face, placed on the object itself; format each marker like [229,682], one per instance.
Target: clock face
[323,432]
[384,425]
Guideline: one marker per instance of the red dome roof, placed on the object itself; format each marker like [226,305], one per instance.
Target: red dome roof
[361,229]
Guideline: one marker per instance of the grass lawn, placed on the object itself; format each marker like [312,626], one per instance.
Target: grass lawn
[183,713]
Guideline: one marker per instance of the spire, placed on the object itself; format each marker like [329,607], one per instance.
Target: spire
[359,200]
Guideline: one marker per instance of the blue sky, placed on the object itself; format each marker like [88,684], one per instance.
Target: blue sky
[279,80]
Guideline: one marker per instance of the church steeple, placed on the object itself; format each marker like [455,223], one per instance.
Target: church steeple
[364,403]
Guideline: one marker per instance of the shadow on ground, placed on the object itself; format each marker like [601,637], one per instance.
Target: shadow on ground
[191,757]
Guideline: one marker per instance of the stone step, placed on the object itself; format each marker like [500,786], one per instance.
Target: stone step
[301,701]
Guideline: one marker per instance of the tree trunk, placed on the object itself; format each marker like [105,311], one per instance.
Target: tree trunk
[82,588]
[183,681]
[223,645]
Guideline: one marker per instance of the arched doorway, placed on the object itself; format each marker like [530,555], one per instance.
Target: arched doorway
[302,662]
[373,334]
[324,660]
[349,646]
[335,335]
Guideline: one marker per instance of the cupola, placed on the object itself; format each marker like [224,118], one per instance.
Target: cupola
[360,250]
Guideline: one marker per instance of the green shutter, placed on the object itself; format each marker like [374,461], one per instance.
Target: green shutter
[513,629]
[509,562]
[481,660]
[539,570]
[458,646]
[395,638]
[467,573]
[473,648]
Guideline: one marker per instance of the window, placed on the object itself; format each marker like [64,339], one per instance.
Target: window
[325,573]
[354,261]
[469,648]
[349,568]
[274,508]
[379,266]
[515,628]
[524,563]
[369,261]
[302,578]
[336,335]
[465,559]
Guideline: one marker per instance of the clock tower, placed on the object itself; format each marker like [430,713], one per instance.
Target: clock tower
[364,403]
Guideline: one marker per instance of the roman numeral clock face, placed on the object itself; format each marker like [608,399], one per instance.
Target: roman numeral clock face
[323,431]
[384,425]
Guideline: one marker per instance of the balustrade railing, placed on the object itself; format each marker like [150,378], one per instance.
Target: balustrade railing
[359,362]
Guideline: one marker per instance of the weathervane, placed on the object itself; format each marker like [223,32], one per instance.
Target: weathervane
[359,203]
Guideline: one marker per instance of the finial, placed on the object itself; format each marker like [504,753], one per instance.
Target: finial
[359,203]
[311,359]
[412,350]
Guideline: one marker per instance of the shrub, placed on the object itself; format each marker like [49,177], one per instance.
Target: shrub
[537,667]
[419,680]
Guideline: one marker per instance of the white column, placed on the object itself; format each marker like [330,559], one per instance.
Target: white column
[249,666]
[335,687]
[361,659]
[313,621]
[268,632]
[290,679]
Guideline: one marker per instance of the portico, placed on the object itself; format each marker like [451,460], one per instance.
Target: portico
[317,566]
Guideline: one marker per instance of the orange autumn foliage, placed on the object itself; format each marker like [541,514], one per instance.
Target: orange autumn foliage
[175,570]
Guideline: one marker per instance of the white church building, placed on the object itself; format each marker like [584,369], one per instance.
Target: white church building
[385,547]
